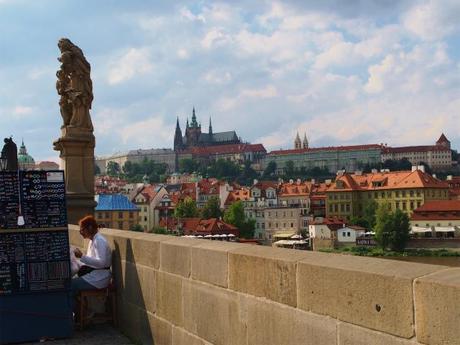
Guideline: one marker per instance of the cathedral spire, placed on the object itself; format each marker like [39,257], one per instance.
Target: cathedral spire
[305,141]
[194,123]
[297,142]
[178,136]
[210,126]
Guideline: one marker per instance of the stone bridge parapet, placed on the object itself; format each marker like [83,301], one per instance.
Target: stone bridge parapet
[181,291]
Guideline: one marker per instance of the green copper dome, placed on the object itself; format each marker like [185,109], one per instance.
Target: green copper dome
[24,157]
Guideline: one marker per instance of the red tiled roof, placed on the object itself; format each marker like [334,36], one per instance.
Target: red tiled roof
[439,205]
[407,149]
[213,226]
[442,139]
[294,189]
[386,180]
[241,194]
[327,148]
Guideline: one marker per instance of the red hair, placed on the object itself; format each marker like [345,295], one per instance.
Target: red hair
[90,223]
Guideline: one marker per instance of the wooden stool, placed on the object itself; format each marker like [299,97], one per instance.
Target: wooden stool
[110,306]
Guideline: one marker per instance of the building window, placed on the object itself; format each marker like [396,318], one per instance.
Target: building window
[120,215]
[107,215]
[131,215]
[348,234]
[145,219]
[292,225]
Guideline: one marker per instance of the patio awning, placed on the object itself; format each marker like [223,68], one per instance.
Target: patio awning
[419,230]
[284,234]
[444,229]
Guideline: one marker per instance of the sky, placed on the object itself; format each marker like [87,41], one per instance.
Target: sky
[343,72]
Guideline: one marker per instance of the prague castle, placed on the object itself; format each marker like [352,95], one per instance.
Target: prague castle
[194,137]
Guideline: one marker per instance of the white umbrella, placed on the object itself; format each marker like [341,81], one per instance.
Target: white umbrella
[208,236]
[296,237]
[199,236]
[215,236]
[223,235]
[231,235]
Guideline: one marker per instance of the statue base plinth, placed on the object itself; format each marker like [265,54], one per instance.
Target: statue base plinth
[79,206]
[76,148]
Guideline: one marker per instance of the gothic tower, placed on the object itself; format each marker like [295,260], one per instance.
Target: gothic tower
[305,141]
[297,142]
[193,131]
[178,144]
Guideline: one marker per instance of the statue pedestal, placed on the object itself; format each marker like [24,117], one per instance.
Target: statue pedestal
[76,148]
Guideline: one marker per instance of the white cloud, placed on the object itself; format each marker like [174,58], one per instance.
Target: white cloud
[227,103]
[22,111]
[135,61]
[214,38]
[378,73]
[183,54]
[140,133]
[433,19]
[269,91]
[217,77]
[186,14]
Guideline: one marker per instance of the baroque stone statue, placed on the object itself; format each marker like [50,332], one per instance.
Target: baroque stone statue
[10,153]
[75,87]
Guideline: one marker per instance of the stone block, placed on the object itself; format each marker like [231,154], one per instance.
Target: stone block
[265,272]
[182,337]
[355,335]
[437,307]
[135,322]
[145,250]
[271,323]
[176,255]
[210,262]
[374,293]
[161,330]
[168,297]
[214,314]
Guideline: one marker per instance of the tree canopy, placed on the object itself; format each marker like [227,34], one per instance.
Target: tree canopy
[211,209]
[391,228]
[135,172]
[235,216]
[186,209]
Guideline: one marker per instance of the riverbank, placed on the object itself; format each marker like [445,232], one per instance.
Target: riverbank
[378,252]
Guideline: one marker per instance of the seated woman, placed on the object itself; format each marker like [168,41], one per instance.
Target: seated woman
[94,272]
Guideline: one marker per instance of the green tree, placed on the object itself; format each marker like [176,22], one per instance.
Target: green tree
[212,209]
[97,170]
[186,209]
[383,225]
[401,228]
[270,169]
[137,227]
[188,165]
[289,169]
[392,228]
[369,214]
[235,216]
[113,168]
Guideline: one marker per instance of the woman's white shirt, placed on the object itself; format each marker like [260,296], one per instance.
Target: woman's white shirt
[98,256]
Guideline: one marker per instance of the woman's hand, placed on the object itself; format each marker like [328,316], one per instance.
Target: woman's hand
[78,253]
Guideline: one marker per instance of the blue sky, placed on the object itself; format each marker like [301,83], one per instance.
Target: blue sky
[344,72]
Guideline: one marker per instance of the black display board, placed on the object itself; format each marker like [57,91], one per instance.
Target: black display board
[34,256]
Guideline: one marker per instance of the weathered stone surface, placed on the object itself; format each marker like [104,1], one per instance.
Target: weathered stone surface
[437,307]
[161,330]
[168,297]
[145,250]
[148,288]
[355,335]
[134,322]
[182,337]
[265,272]
[374,293]
[176,255]
[271,323]
[214,314]
[210,262]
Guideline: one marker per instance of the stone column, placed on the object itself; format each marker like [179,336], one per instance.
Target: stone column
[76,146]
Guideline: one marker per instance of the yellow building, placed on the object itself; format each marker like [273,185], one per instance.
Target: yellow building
[403,190]
[115,211]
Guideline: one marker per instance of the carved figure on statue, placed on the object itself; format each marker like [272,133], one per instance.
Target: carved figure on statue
[75,87]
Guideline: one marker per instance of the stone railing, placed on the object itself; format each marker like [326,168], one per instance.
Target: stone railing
[195,292]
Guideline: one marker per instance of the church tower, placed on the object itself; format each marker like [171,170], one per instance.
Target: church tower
[178,144]
[297,142]
[193,131]
[305,141]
